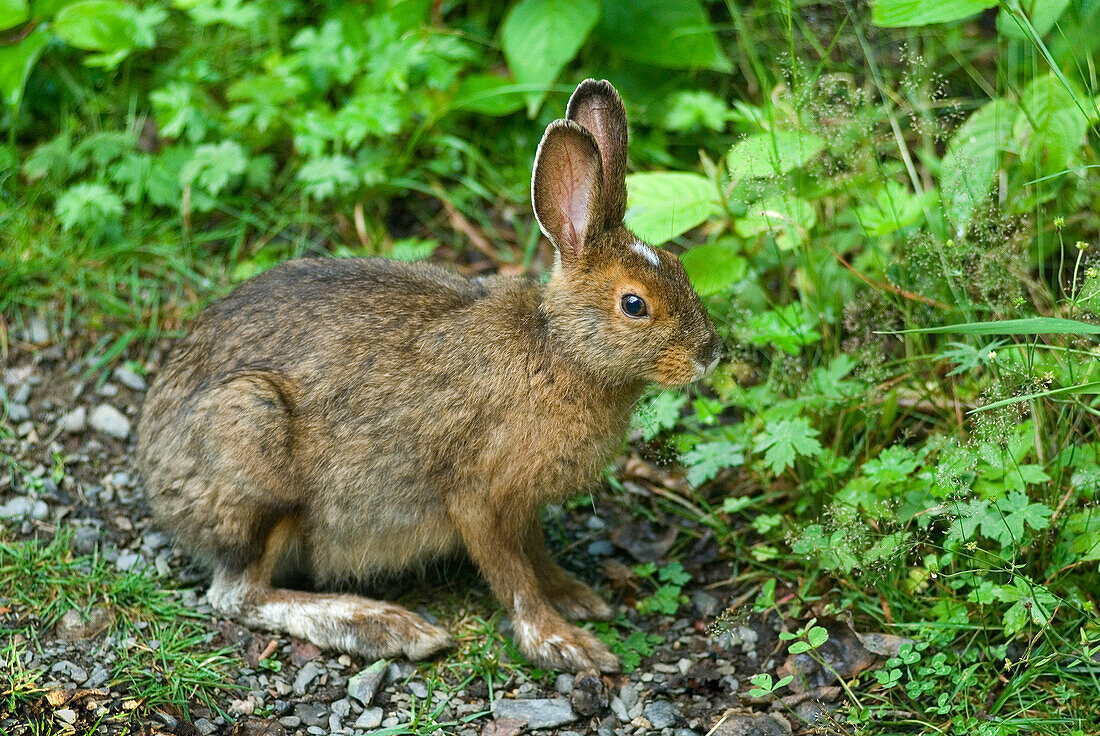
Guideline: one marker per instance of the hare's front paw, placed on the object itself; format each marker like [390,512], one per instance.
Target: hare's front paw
[557,645]
[575,600]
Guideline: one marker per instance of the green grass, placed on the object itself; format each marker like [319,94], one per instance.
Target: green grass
[165,655]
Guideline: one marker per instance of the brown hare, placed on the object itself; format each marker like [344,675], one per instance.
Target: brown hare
[347,417]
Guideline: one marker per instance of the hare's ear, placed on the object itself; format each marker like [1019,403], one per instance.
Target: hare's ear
[566,188]
[597,106]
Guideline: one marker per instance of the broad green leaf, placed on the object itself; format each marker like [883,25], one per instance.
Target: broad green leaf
[787,219]
[704,461]
[773,153]
[541,36]
[16,63]
[785,440]
[1050,127]
[487,94]
[212,166]
[787,328]
[893,209]
[327,176]
[903,13]
[971,159]
[714,267]
[658,413]
[88,205]
[691,110]
[675,34]
[664,204]
[95,25]
[13,12]
[1042,14]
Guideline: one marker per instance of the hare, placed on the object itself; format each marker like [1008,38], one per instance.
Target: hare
[347,417]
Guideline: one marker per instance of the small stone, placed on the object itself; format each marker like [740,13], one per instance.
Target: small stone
[107,390]
[335,724]
[74,421]
[204,726]
[418,689]
[168,720]
[564,683]
[40,511]
[595,523]
[70,671]
[600,548]
[22,394]
[536,713]
[684,732]
[752,724]
[85,540]
[628,695]
[258,727]
[17,509]
[66,714]
[108,420]
[128,378]
[290,721]
[370,718]
[98,677]
[704,603]
[38,333]
[127,561]
[311,714]
[684,665]
[18,413]
[341,707]
[310,671]
[589,693]
[620,710]
[661,714]
[504,727]
[364,685]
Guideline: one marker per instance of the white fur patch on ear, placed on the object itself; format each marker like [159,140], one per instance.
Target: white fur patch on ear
[647,253]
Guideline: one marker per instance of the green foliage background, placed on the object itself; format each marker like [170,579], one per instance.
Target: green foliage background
[889,208]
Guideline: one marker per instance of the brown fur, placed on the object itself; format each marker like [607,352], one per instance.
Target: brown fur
[355,416]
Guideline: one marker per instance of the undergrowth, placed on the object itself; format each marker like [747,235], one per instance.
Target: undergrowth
[889,209]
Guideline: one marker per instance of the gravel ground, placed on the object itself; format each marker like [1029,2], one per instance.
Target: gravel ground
[690,683]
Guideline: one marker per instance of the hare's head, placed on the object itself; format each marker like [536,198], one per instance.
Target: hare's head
[619,306]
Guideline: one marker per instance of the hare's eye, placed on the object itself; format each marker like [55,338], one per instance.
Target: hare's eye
[633,306]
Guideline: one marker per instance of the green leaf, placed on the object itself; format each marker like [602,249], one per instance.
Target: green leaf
[894,208]
[658,413]
[212,166]
[328,176]
[13,12]
[714,267]
[787,328]
[971,159]
[692,110]
[488,94]
[1042,14]
[788,220]
[88,206]
[1027,326]
[16,63]
[1051,126]
[675,34]
[662,205]
[903,13]
[705,460]
[786,440]
[541,36]
[95,25]
[773,153]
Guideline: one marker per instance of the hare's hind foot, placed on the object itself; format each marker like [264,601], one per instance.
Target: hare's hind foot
[347,623]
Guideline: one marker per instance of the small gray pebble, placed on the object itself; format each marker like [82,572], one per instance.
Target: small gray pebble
[310,671]
[334,724]
[595,523]
[600,548]
[317,731]
[66,714]
[127,561]
[98,677]
[16,509]
[129,378]
[38,332]
[22,393]
[661,713]
[40,511]
[204,726]
[620,710]
[341,707]
[289,721]
[108,420]
[18,413]
[75,421]
[628,695]
[418,689]
[370,718]
[564,683]
[70,671]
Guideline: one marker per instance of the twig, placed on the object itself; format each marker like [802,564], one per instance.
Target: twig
[890,287]
[462,225]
